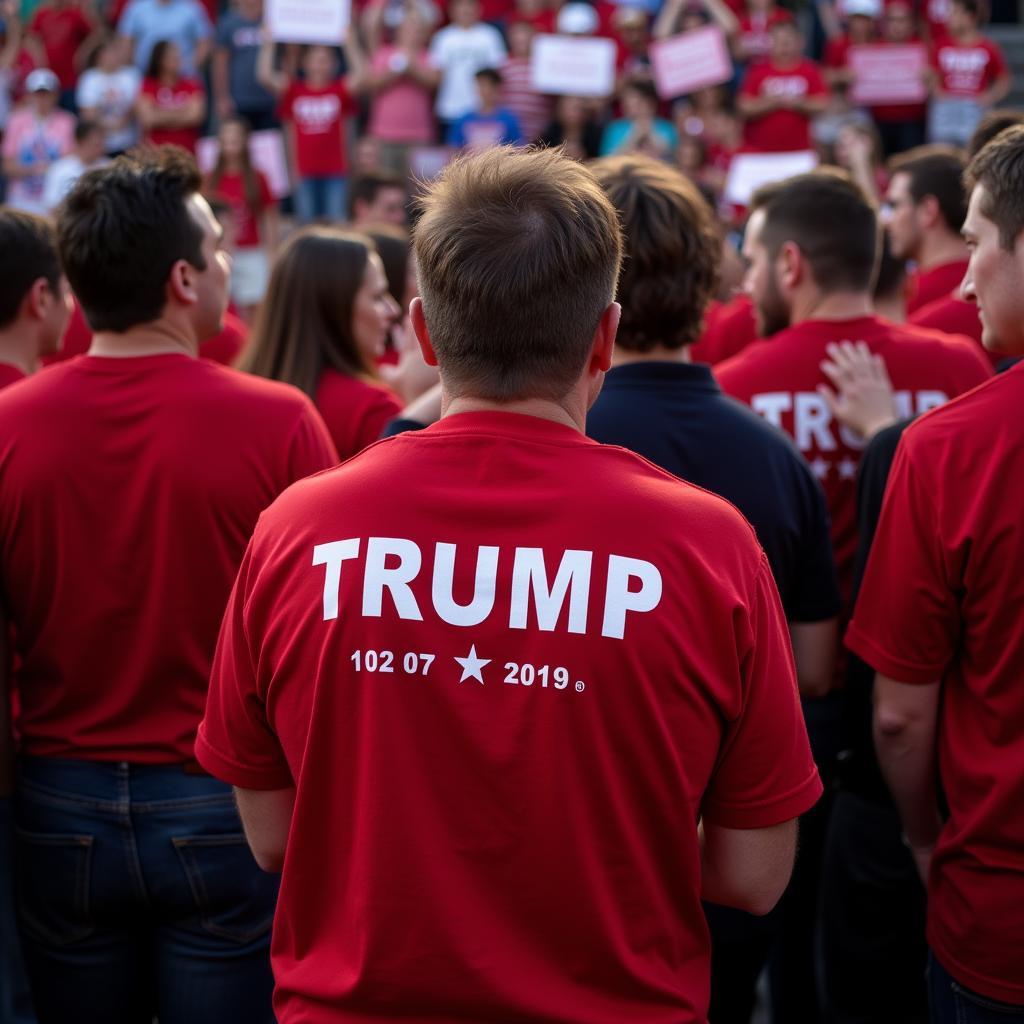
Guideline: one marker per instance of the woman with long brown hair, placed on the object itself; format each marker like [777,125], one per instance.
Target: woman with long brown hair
[322,327]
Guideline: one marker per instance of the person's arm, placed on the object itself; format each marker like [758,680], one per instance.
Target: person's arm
[747,868]
[266,818]
[270,226]
[668,19]
[814,651]
[721,16]
[998,90]
[904,727]
[219,83]
[756,106]
[864,399]
[356,63]
[422,72]
[274,81]
[13,35]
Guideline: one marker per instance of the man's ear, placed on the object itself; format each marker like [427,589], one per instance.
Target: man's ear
[604,339]
[929,213]
[181,284]
[38,299]
[792,267]
[419,328]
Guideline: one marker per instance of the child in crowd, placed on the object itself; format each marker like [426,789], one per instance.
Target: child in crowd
[170,107]
[254,213]
[490,124]
[315,109]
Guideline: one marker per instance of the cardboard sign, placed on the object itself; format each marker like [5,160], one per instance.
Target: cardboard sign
[427,162]
[573,66]
[266,150]
[691,61]
[749,171]
[308,21]
[888,74]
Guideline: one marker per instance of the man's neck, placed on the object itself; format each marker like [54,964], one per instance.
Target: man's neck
[153,339]
[18,348]
[834,306]
[940,249]
[658,354]
[568,414]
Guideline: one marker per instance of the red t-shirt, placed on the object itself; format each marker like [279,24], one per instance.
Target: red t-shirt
[728,330]
[968,70]
[781,130]
[318,128]
[502,759]
[938,282]
[62,33]
[129,490]
[954,316]
[172,97]
[354,410]
[9,375]
[231,188]
[941,599]
[778,377]
[755,35]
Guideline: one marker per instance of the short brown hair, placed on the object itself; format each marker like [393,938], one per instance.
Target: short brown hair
[28,252]
[935,171]
[518,254]
[831,220]
[991,125]
[999,167]
[672,252]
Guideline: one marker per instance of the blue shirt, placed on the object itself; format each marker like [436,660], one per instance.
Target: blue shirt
[481,131]
[184,22]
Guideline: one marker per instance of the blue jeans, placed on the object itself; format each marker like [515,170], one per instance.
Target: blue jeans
[952,1003]
[320,199]
[138,897]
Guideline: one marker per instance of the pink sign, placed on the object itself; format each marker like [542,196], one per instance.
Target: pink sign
[884,74]
[266,150]
[689,62]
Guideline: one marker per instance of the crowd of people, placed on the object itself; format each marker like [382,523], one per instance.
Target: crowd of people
[364,654]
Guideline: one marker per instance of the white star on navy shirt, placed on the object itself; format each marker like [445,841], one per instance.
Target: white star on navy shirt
[820,468]
[847,469]
[472,665]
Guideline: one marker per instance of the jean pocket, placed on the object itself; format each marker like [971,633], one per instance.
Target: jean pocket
[975,1008]
[234,898]
[52,878]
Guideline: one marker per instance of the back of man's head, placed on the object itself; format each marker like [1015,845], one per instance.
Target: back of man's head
[830,220]
[122,228]
[999,170]
[991,125]
[935,171]
[366,188]
[28,253]
[518,255]
[672,251]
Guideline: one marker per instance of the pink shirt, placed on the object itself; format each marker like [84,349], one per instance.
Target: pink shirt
[32,142]
[402,112]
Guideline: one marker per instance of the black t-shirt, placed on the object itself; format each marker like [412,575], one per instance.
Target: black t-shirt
[675,415]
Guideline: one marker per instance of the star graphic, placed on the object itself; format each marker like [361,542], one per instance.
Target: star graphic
[847,469]
[472,665]
[820,468]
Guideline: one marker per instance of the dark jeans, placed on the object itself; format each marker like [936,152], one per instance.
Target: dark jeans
[138,896]
[15,1002]
[953,1003]
[872,918]
[899,136]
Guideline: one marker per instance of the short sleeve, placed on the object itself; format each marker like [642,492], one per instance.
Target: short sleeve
[85,93]
[497,48]
[310,448]
[765,773]
[284,107]
[384,408]
[235,742]
[997,66]
[201,27]
[224,31]
[751,84]
[266,196]
[906,621]
[816,82]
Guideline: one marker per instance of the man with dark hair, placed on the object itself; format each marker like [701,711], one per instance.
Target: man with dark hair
[377,198]
[657,403]
[475,725]
[130,481]
[812,244]
[991,125]
[938,619]
[34,298]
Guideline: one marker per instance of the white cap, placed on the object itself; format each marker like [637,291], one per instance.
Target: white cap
[42,80]
[577,19]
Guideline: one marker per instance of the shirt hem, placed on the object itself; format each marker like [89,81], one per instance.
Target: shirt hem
[765,815]
[864,647]
[222,767]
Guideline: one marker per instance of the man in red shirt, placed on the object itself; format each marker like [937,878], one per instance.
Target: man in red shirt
[130,480]
[34,297]
[938,619]
[780,95]
[811,244]
[500,739]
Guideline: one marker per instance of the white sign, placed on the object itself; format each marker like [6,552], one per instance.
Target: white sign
[573,65]
[266,150]
[686,63]
[749,171]
[308,21]
[883,73]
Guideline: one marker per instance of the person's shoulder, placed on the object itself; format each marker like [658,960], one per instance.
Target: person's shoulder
[335,387]
[952,348]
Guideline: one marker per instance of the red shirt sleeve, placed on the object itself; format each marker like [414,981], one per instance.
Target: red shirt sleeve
[997,65]
[765,773]
[907,632]
[235,742]
[284,107]
[815,80]
[751,85]
[383,407]
[348,103]
[266,196]
[311,448]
